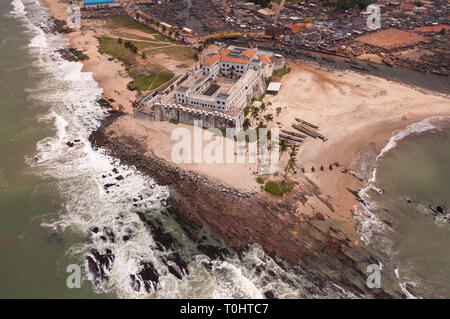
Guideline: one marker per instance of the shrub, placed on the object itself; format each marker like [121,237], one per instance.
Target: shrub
[260,180]
[273,188]
[173,121]
[278,188]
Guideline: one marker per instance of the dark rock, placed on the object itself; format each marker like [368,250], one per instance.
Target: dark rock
[213,252]
[94,229]
[388,223]
[159,235]
[148,275]
[135,284]
[269,294]
[319,216]
[100,264]
[70,144]
[106,186]
[109,234]
[175,264]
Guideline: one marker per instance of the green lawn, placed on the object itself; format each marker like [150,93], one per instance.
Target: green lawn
[142,82]
[279,73]
[162,78]
[115,49]
[127,22]
[145,77]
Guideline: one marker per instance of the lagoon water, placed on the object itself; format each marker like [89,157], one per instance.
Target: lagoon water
[51,194]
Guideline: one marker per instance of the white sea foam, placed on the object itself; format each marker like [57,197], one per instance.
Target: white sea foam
[415,128]
[18,9]
[403,286]
[368,221]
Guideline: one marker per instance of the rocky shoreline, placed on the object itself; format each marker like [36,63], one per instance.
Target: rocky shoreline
[308,245]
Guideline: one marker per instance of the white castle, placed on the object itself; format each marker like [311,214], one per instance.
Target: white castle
[214,91]
[205,89]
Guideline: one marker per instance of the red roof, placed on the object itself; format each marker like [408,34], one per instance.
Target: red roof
[265,59]
[234,60]
[295,25]
[249,53]
[212,60]
[408,6]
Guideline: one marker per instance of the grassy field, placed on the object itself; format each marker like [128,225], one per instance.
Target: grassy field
[147,76]
[152,71]
[279,73]
[127,22]
[180,53]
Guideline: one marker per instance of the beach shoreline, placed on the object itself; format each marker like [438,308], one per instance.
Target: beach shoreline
[357,113]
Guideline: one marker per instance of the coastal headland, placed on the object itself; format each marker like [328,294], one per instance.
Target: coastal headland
[312,226]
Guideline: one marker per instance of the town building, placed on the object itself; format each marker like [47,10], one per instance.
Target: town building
[214,91]
[243,65]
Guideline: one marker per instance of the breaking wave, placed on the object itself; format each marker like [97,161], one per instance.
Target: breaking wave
[368,222]
[117,209]
[428,124]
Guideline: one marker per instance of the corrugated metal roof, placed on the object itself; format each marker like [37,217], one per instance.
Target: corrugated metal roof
[274,86]
[97,2]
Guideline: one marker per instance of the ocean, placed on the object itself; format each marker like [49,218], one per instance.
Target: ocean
[63,203]
[406,213]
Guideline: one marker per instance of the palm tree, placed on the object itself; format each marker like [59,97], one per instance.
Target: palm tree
[254,113]
[246,123]
[283,146]
[263,107]
[291,163]
[268,118]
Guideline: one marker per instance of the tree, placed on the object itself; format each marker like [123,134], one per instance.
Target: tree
[291,163]
[143,55]
[283,147]
[254,113]
[119,40]
[263,107]
[246,123]
[268,118]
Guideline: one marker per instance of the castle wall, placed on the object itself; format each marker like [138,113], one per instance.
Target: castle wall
[209,119]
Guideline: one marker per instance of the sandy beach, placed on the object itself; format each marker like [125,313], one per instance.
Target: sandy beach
[357,113]
[110,75]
